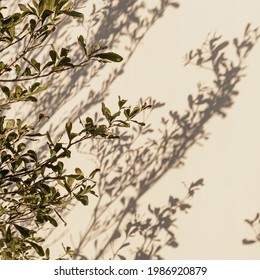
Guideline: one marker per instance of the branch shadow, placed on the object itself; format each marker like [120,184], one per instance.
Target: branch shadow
[113,24]
[255,227]
[133,164]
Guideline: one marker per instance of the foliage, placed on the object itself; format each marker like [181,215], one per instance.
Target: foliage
[35,188]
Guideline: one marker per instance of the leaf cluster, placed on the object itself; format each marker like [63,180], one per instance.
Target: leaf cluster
[36,189]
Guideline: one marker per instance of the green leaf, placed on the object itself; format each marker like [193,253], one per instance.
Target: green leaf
[52,221]
[139,123]
[83,45]
[93,173]
[5,90]
[21,147]
[8,236]
[53,54]
[32,24]
[70,181]
[127,113]
[3,173]
[47,253]
[64,61]
[25,232]
[60,166]
[121,123]
[41,6]
[46,14]
[121,102]
[68,128]
[64,52]
[23,8]
[38,249]
[33,155]
[49,138]
[73,14]
[135,112]
[11,136]
[11,32]
[31,98]
[110,56]
[35,64]
[34,86]
[82,198]
[27,72]
[79,172]
[19,91]
[106,112]
[40,89]
[10,124]
[48,64]
[2,65]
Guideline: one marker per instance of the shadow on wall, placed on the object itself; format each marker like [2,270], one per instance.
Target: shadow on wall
[255,226]
[133,164]
[114,22]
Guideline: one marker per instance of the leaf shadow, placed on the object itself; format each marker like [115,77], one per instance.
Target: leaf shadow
[131,168]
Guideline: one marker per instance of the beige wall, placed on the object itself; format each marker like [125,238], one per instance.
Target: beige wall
[154,67]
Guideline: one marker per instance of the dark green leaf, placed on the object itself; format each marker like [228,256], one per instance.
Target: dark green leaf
[27,72]
[127,113]
[21,147]
[106,112]
[121,123]
[82,198]
[135,112]
[31,98]
[109,56]
[68,128]
[11,136]
[93,173]
[47,253]
[8,236]
[64,61]
[38,249]
[64,52]
[33,155]
[53,55]
[73,14]
[32,24]
[6,90]
[35,64]
[83,45]
[34,86]
[121,102]
[25,232]
[139,123]
[52,221]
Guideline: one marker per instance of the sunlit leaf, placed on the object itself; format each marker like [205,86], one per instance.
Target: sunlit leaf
[110,56]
